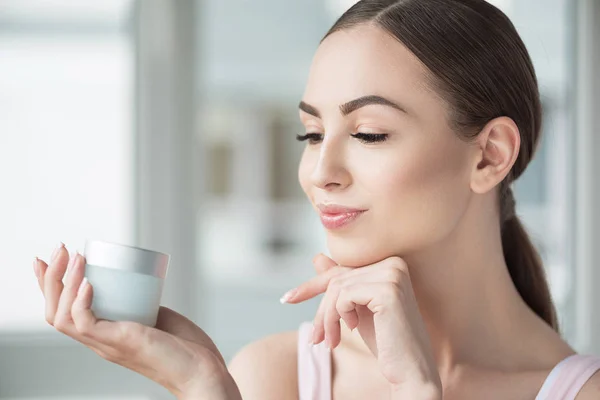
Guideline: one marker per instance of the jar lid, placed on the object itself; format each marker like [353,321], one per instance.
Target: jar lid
[126,258]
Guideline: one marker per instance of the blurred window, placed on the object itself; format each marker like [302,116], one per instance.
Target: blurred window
[66,84]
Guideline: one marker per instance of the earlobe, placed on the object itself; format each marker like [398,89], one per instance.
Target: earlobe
[498,146]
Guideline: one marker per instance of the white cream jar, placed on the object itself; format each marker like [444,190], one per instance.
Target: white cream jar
[127,281]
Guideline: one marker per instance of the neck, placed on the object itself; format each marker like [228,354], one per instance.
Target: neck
[466,296]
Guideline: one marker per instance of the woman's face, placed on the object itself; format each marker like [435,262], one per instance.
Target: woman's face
[414,185]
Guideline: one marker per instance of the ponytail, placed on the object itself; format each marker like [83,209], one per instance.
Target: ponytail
[525,264]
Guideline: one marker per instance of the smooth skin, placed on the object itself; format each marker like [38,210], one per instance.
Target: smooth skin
[420,274]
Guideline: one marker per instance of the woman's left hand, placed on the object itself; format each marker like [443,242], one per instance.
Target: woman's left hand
[379,300]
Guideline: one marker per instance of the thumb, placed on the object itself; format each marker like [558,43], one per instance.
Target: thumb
[323,263]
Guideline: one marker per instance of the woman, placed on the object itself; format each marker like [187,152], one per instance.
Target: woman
[419,115]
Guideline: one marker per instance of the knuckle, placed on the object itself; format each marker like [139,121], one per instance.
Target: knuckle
[50,319]
[394,275]
[101,353]
[398,263]
[107,355]
[84,328]
[400,273]
[389,370]
[129,333]
[344,295]
[51,273]
[337,282]
[113,357]
[341,306]
[334,282]
[60,324]
[126,335]
[330,322]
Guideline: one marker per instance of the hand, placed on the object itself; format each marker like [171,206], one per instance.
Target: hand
[176,354]
[379,300]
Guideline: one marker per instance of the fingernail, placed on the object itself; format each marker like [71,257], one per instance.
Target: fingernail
[288,296]
[82,286]
[35,266]
[55,252]
[72,260]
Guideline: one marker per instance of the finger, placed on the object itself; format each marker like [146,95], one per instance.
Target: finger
[42,268]
[63,321]
[314,286]
[368,295]
[318,284]
[331,320]
[41,272]
[376,296]
[318,334]
[326,322]
[346,307]
[39,268]
[322,263]
[113,335]
[384,270]
[372,277]
[81,313]
[53,284]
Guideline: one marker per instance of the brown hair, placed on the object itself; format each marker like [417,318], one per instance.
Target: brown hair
[481,68]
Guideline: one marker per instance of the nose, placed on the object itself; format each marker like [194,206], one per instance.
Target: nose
[330,171]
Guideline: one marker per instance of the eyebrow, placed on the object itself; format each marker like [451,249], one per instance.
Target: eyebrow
[353,105]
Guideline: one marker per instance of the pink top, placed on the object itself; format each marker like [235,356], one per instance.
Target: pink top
[314,372]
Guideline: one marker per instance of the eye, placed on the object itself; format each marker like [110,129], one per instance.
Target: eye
[313,138]
[370,137]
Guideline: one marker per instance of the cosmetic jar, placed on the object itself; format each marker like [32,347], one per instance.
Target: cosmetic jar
[127,281]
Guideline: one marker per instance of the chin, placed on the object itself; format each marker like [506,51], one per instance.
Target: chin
[358,252]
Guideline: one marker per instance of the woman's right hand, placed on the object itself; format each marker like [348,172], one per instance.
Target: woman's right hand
[176,354]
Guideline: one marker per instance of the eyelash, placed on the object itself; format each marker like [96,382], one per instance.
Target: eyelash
[314,138]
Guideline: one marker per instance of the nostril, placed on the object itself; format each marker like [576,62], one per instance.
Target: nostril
[332,185]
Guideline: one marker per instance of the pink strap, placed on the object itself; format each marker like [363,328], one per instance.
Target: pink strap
[314,367]
[568,377]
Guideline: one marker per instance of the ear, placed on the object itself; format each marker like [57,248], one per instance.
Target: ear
[498,146]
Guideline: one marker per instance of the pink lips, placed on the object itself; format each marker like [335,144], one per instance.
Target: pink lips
[334,216]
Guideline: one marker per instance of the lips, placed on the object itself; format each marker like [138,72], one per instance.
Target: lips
[334,216]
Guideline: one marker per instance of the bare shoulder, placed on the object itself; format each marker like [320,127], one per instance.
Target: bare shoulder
[591,389]
[267,368]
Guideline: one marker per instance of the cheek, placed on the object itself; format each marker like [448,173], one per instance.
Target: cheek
[416,196]
[424,193]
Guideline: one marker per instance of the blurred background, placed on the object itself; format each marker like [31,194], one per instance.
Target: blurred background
[170,125]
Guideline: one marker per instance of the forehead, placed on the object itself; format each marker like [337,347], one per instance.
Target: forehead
[361,61]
